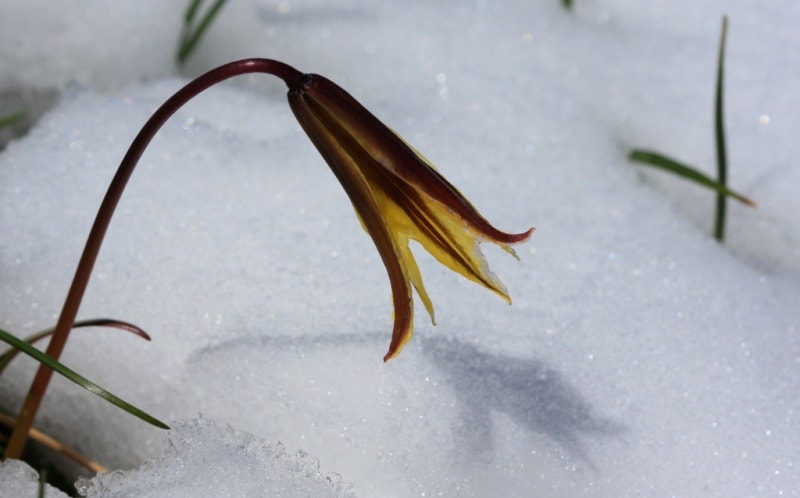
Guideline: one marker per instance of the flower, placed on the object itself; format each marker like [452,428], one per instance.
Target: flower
[398,196]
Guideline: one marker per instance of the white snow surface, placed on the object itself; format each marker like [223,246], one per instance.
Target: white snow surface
[640,357]
[20,481]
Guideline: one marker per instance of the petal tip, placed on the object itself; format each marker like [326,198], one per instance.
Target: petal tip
[396,347]
[394,351]
[527,235]
[401,335]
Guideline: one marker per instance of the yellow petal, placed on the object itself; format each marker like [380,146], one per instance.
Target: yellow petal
[412,270]
[398,196]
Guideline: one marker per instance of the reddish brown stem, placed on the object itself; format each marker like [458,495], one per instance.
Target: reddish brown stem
[66,319]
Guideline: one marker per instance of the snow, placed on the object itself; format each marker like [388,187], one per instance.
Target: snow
[640,357]
[20,481]
[231,463]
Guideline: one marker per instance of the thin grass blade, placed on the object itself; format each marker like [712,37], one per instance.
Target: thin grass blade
[660,161]
[42,482]
[12,118]
[191,11]
[189,42]
[186,30]
[719,135]
[8,356]
[79,379]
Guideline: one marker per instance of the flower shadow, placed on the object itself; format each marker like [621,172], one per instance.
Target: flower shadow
[525,390]
[473,390]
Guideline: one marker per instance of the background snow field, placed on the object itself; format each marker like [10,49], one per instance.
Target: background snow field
[640,357]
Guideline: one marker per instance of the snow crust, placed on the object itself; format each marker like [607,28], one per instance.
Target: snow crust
[206,459]
[19,480]
[640,357]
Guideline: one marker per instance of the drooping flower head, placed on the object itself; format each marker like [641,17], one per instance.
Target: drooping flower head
[398,196]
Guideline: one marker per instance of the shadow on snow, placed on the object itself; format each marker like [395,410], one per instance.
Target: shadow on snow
[527,391]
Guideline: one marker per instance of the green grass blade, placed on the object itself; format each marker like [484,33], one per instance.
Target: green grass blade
[188,20]
[191,11]
[11,118]
[567,3]
[42,482]
[719,136]
[189,42]
[78,379]
[657,160]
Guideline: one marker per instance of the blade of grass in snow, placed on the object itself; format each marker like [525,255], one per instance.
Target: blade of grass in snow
[79,379]
[719,136]
[11,118]
[42,482]
[191,11]
[190,38]
[9,355]
[567,3]
[660,161]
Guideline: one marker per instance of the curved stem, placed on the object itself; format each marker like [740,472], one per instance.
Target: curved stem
[288,74]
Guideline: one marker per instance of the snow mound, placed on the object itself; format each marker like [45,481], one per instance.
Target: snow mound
[204,458]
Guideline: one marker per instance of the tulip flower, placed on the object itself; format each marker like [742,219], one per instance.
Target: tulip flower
[398,196]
